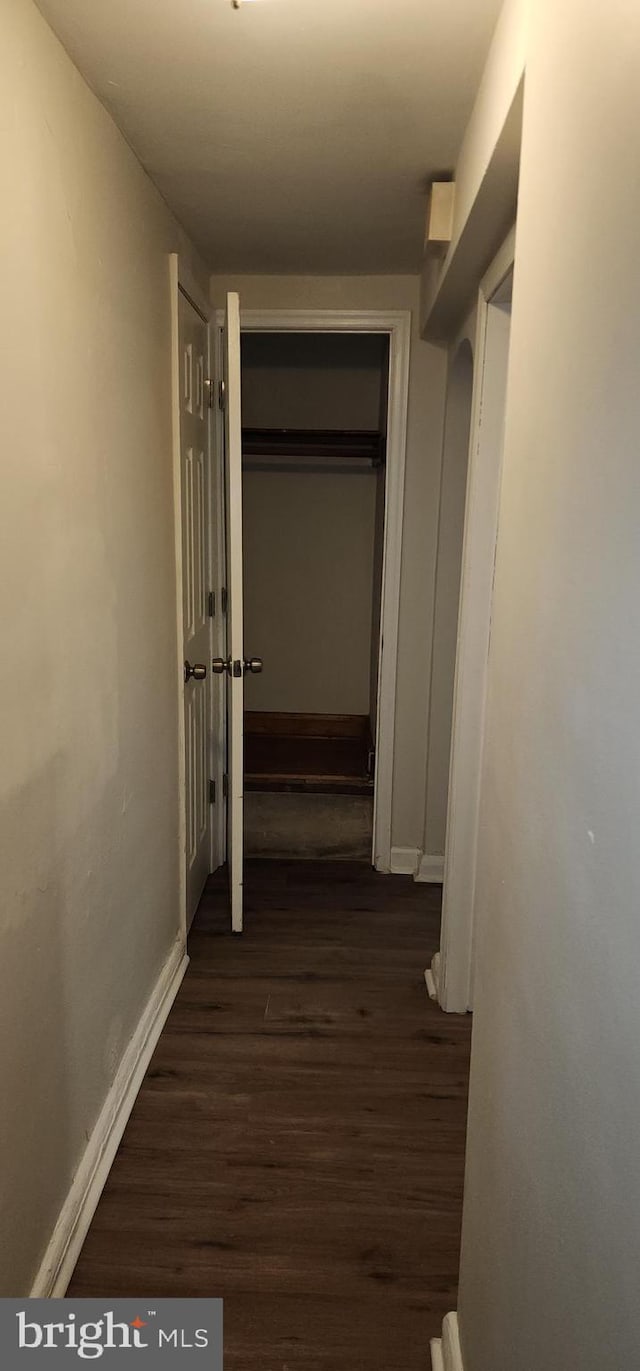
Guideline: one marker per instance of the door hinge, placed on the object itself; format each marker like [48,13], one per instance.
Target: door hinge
[222,395]
[225,785]
[224,599]
[212,792]
[211,604]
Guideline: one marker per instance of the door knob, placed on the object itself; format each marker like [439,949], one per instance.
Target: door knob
[198,671]
[221,664]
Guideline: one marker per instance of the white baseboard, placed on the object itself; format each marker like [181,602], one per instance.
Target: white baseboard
[437,1363]
[430,870]
[410,861]
[80,1204]
[445,1351]
[432,978]
[432,990]
[404,860]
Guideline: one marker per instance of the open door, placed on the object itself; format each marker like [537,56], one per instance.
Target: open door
[193,341]
[234,664]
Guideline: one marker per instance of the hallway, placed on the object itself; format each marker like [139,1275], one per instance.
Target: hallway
[297,1146]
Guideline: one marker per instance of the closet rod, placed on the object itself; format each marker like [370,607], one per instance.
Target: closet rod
[339,446]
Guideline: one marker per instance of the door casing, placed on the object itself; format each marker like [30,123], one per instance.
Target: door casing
[396,326]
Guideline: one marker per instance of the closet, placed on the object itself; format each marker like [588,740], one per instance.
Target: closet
[314,449]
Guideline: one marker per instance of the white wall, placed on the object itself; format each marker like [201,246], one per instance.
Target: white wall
[426,404]
[88,866]
[308,589]
[551,1233]
[313,380]
[486,178]
[500,80]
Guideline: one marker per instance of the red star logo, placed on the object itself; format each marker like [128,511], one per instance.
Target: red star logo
[138,1322]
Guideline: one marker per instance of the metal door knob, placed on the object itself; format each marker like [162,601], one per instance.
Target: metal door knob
[198,671]
[221,664]
[253,664]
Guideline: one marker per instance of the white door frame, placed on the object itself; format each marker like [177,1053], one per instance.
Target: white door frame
[181,279]
[396,325]
[450,978]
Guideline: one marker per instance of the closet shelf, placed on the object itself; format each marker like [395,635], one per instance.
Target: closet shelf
[312,449]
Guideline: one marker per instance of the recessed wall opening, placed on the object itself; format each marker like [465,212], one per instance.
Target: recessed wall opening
[453,488]
[314,435]
[452,970]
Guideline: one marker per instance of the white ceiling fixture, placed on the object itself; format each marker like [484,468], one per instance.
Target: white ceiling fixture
[298,138]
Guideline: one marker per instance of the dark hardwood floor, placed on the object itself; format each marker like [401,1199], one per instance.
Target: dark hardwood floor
[298,1142]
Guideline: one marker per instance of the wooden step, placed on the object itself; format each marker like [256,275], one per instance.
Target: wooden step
[307,785]
[308,754]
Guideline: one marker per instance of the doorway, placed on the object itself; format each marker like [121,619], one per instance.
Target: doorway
[450,976]
[453,487]
[389,334]
[314,458]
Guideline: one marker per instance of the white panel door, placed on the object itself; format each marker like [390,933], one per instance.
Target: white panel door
[235,629]
[194,467]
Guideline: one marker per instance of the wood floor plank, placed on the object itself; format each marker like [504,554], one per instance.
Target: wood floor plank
[298,1142]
